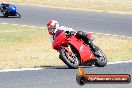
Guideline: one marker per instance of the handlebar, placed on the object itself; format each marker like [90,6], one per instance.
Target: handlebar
[70,33]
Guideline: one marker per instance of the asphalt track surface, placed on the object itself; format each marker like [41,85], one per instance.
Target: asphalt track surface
[79,20]
[62,77]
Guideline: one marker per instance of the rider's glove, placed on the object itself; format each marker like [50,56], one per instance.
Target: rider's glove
[69,33]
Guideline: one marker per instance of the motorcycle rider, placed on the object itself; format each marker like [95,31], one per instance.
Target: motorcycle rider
[53,26]
[4,7]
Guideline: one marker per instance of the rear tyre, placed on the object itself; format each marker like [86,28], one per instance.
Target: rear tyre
[101,61]
[72,61]
[5,14]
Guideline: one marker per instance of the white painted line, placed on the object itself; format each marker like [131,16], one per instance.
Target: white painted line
[15,24]
[4,23]
[46,27]
[107,34]
[23,69]
[118,62]
[99,33]
[92,32]
[123,36]
[116,35]
[24,25]
[34,69]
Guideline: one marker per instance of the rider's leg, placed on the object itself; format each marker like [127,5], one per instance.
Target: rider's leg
[82,35]
[5,7]
[93,47]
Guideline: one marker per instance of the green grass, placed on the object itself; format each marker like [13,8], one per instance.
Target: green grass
[103,5]
[25,47]
[116,48]
[31,47]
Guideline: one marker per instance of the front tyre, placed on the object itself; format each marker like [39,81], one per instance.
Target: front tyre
[102,60]
[72,61]
[18,15]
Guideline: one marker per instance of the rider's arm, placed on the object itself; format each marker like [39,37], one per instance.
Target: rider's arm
[52,38]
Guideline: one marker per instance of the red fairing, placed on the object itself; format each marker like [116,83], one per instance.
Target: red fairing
[59,39]
[83,49]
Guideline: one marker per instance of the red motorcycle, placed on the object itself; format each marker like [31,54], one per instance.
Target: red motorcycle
[74,52]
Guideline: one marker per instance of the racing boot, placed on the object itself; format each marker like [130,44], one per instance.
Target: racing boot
[83,35]
[93,48]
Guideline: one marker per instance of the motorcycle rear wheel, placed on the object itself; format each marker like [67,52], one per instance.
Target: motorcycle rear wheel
[101,61]
[72,61]
[5,14]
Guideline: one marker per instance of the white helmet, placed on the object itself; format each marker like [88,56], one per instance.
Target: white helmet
[52,26]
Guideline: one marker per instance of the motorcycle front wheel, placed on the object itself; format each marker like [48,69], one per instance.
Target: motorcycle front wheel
[18,15]
[72,61]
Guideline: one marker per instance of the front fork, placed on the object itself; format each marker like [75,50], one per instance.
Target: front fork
[68,49]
